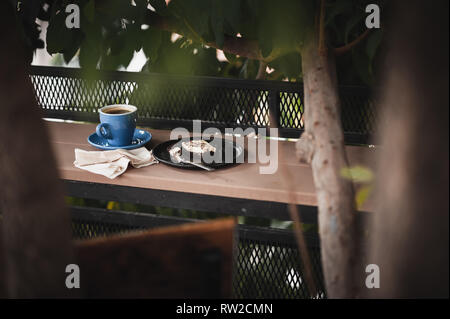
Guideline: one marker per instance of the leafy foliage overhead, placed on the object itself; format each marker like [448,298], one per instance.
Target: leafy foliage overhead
[112,30]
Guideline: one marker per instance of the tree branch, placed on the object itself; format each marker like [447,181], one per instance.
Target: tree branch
[305,148]
[322,45]
[344,49]
[261,71]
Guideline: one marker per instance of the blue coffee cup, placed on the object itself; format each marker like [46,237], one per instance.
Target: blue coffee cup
[117,124]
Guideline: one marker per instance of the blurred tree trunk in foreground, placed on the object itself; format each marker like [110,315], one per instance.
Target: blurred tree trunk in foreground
[36,230]
[410,233]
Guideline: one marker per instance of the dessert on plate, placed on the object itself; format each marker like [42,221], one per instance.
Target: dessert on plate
[198,146]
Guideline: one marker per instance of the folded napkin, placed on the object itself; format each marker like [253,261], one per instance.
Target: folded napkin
[113,163]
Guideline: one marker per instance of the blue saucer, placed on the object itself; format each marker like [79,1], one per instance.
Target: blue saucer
[140,138]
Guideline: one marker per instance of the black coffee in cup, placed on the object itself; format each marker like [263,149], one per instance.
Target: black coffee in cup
[117,110]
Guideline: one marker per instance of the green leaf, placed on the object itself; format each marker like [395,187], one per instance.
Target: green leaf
[217,20]
[89,56]
[159,5]
[126,54]
[141,4]
[289,64]
[243,72]
[90,49]
[232,14]
[373,42]
[279,27]
[134,36]
[56,34]
[115,9]
[358,174]
[63,40]
[89,10]
[362,195]
[352,22]
[70,50]
[230,57]
[339,7]
[193,16]
[254,5]
[266,46]
[152,39]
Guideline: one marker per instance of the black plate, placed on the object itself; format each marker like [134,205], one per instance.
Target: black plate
[161,153]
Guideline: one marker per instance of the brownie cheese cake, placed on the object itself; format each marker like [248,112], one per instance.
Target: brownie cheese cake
[198,146]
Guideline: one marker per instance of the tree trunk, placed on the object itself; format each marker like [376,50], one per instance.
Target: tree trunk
[36,226]
[322,145]
[410,240]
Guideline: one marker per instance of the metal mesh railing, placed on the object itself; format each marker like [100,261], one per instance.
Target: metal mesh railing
[165,101]
[268,269]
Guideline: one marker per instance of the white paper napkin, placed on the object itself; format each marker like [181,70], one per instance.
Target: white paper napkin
[112,163]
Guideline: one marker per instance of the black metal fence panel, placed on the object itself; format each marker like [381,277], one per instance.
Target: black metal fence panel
[168,101]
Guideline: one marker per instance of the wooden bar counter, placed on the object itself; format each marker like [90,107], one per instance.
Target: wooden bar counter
[240,181]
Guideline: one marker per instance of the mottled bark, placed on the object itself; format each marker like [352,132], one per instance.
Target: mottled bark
[36,229]
[322,145]
[410,234]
